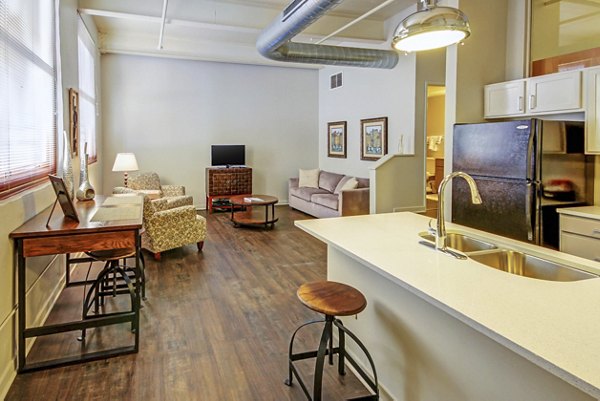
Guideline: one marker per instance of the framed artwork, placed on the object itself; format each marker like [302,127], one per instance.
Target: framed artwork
[63,198]
[74,120]
[373,138]
[336,139]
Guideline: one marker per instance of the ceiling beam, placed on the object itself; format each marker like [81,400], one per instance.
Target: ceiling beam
[158,20]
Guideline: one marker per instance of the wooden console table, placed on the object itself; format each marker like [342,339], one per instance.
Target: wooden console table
[95,231]
[225,182]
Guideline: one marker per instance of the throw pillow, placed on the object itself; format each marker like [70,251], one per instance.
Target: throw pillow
[352,183]
[308,178]
[329,181]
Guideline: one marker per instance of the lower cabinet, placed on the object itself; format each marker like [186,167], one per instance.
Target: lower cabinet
[580,236]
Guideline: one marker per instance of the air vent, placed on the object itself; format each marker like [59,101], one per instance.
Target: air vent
[335,81]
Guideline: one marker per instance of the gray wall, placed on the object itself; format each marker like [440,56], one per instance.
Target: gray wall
[168,112]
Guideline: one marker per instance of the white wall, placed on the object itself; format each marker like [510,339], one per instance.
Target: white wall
[44,274]
[368,93]
[168,112]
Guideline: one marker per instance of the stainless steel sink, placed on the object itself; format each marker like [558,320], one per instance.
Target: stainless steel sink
[526,265]
[459,242]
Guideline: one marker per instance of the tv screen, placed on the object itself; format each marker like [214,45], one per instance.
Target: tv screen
[228,155]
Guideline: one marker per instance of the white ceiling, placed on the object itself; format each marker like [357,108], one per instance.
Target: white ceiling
[222,30]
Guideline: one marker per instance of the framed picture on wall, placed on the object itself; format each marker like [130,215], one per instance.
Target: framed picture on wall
[74,120]
[336,139]
[373,138]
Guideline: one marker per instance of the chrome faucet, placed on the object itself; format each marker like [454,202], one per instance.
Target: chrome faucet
[440,231]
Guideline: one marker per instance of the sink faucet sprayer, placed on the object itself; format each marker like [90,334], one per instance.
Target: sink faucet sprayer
[440,232]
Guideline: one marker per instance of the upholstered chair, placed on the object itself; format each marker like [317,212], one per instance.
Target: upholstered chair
[168,228]
[149,184]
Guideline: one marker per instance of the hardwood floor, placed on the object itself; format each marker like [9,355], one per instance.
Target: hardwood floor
[215,326]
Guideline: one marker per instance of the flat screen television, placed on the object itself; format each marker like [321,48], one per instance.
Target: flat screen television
[228,155]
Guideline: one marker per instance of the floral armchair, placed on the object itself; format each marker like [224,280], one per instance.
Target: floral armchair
[168,228]
[149,184]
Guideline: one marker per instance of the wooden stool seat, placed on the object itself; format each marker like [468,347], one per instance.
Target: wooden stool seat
[332,298]
[112,254]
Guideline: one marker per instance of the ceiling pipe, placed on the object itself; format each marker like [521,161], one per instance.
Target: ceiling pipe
[162,25]
[275,41]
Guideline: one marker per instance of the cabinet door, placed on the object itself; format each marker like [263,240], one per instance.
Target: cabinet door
[580,245]
[554,93]
[504,99]
[592,111]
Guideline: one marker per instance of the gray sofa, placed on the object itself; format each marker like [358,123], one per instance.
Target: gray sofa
[327,200]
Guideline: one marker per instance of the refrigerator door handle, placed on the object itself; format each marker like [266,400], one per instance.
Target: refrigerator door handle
[530,165]
[528,206]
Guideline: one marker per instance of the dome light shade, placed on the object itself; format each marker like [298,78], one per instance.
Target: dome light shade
[431,27]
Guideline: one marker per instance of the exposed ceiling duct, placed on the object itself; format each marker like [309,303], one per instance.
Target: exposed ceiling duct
[275,41]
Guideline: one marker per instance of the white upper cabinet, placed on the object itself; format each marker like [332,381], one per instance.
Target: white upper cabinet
[505,99]
[592,110]
[560,92]
[546,94]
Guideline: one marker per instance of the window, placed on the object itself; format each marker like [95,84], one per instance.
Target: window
[27,94]
[87,92]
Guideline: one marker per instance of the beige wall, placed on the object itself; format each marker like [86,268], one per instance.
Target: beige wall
[436,106]
[563,27]
[44,274]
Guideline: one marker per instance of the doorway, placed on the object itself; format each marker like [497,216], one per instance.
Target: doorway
[435,114]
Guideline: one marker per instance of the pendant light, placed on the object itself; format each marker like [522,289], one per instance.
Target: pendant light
[431,27]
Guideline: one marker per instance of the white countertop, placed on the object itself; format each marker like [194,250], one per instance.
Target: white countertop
[590,212]
[556,325]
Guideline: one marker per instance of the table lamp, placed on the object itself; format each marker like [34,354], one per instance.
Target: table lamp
[125,162]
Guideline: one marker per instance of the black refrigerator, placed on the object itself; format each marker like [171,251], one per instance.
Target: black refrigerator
[524,170]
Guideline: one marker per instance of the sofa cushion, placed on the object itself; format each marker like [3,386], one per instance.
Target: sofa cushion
[306,193]
[308,178]
[329,181]
[343,182]
[362,182]
[327,200]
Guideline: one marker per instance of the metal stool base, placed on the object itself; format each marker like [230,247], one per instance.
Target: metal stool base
[326,348]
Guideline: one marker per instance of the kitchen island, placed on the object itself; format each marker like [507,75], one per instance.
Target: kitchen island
[441,328]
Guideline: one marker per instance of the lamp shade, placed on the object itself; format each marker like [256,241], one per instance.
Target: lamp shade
[125,162]
[431,27]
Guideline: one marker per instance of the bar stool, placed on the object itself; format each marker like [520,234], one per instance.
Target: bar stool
[114,279]
[332,299]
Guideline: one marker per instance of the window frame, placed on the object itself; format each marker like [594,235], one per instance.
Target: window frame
[33,176]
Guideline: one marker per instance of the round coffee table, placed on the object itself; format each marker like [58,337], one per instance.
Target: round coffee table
[248,216]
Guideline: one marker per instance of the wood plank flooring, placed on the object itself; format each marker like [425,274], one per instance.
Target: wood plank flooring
[215,326]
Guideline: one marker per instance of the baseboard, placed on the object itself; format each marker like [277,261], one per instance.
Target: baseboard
[384,393]
[413,209]
[280,203]
[8,374]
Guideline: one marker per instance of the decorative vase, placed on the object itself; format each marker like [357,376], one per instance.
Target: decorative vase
[85,191]
[67,167]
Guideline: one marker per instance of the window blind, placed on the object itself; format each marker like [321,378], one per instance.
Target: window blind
[27,94]
[87,92]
